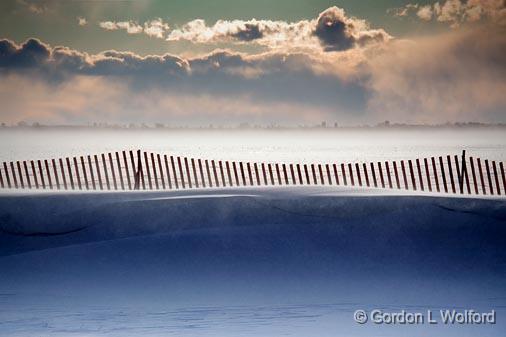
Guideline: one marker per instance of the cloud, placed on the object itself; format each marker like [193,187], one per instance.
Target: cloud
[456,76]
[33,6]
[456,12]
[332,30]
[154,28]
[81,21]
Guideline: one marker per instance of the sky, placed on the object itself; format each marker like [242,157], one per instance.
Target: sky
[287,62]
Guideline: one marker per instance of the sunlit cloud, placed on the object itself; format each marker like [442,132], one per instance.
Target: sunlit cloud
[154,28]
[81,21]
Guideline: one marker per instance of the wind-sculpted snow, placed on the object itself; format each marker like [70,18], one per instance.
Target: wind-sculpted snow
[249,262]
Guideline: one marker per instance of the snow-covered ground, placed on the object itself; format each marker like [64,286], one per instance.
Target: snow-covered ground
[246,262]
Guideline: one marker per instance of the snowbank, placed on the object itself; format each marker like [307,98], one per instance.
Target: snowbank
[245,262]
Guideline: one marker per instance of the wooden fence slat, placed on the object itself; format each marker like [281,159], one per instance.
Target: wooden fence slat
[329,174]
[229,174]
[174,171]
[396,171]
[243,176]
[443,175]
[167,171]
[306,173]
[482,180]
[8,179]
[321,174]
[34,173]
[99,174]
[270,173]
[181,175]
[343,171]
[285,173]
[146,168]
[375,182]
[20,174]
[501,165]
[336,175]
[216,174]
[2,179]
[27,175]
[194,168]
[450,170]
[125,162]
[113,173]
[77,174]
[490,185]
[466,177]
[294,181]
[62,170]
[106,173]
[473,173]
[420,178]
[299,173]
[364,167]
[357,172]
[222,173]
[136,169]
[55,172]
[120,174]
[315,182]
[257,174]
[48,173]
[382,178]
[278,174]
[264,174]
[202,173]
[71,176]
[41,174]
[210,182]
[85,175]
[250,176]
[427,174]
[434,171]
[412,173]
[389,176]
[460,174]
[188,176]
[359,176]
[14,178]
[92,175]
[404,177]
[155,173]
[350,171]
[498,189]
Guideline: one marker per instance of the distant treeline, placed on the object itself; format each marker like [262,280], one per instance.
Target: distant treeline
[246,126]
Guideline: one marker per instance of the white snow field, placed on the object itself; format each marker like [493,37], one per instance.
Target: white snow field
[247,262]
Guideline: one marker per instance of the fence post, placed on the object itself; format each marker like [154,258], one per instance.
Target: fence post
[222,174]
[188,176]
[482,180]
[473,172]
[250,175]
[148,172]
[420,178]
[83,166]
[99,175]
[125,161]
[443,174]
[137,172]
[1,179]
[77,174]
[389,176]
[299,174]
[41,173]
[329,174]
[35,174]
[434,169]
[229,174]
[153,167]
[243,176]
[278,174]
[264,172]
[286,174]
[427,174]
[216,180]
[315,181]
[270,173]
[294,180]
